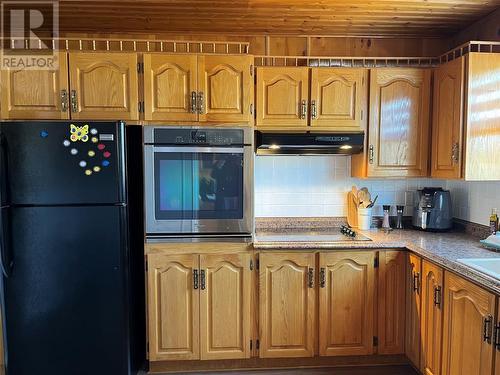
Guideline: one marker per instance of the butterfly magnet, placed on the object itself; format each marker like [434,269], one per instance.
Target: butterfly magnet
[79,133]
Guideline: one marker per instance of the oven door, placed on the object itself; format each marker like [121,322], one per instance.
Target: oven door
[198,189]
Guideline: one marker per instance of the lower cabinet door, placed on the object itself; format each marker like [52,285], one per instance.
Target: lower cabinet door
[468,328]
[225,306]
[391,307]
[346,311]
[287,305]
[497,342]
[432,318]
[173,307]
[413,309]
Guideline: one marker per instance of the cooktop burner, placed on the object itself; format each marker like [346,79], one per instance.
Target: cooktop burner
[344,234]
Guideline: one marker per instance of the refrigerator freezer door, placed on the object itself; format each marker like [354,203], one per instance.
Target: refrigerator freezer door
[65,304]
[60,163]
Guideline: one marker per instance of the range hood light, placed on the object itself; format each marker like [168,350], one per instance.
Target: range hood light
[345,147]
[274,147]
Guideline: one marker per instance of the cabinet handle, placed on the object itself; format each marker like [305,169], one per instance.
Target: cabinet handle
[202,280]
[416,281]
[455,153]
[437,297]
[64,100]
[310,274]
[303,110]
[201,108]
[497,336]
[74,102]
[193,102]
[371,154]
[487,328]
[195,279]
[314,112]
[322,277]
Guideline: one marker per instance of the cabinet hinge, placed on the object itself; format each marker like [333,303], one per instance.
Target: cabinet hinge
[251,109]
[251,269]
[251,70]
[251,345]
[376,262]
[257,344]
[140,67]
[257,265]
[375,341]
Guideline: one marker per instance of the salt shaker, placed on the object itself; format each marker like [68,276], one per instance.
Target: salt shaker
[399,222]
[385,222]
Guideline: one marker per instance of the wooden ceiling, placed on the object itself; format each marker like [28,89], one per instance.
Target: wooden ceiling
[304,17]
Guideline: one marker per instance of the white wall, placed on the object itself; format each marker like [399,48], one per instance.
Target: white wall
[315,186]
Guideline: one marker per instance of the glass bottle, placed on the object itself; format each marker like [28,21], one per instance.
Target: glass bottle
[493,221]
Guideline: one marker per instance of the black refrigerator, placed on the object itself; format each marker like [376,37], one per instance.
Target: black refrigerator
[71,288]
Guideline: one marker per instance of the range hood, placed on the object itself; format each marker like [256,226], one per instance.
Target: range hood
[307,143]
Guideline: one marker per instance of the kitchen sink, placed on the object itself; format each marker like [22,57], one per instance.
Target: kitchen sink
[489,266]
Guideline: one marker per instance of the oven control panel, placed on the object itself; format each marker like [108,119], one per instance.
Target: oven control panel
[200,137]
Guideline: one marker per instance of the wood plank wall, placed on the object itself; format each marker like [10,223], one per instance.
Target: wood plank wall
[487,28]
[286,45]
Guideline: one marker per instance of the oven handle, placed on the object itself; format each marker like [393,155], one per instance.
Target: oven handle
[201,150]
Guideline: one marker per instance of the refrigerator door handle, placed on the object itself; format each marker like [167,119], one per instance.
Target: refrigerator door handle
[5,265]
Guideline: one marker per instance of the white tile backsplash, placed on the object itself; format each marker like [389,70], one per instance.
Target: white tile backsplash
[473,201]
[312,186]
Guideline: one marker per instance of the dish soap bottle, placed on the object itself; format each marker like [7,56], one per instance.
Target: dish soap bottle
[493,221]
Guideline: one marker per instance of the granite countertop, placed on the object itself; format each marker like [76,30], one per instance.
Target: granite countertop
[441,248]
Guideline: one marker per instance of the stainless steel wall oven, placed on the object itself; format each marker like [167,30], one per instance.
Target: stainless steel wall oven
[198,180]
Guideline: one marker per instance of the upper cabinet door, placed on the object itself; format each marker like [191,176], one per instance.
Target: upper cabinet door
[170,87]
[282,97]
[482,159]
[447,120]
[346,317]
[399,122]
[338,98]
[468,326]
[103,86]
[225,88]
[287,295]
[225,306]
[36,94]
[173,307]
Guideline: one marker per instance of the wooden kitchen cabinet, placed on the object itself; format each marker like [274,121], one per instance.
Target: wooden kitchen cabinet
[198,88]
[447,120]
[170,87]
[391,293]
[36,94]
[432,318]
[282,97]
[497,342]
[173,307]
[467,328]
[399,122]
[104,86]
[413,309]
[225,306]
[287,304]
[227,88]
[339,99]
[346,295]
[482,159]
